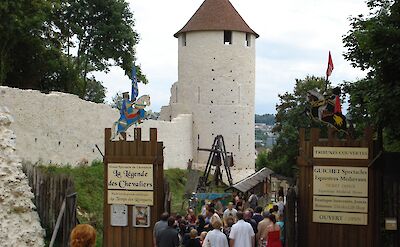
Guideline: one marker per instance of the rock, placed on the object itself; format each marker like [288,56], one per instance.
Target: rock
[19,222]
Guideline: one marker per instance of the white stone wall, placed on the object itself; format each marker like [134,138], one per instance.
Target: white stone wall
[19,222]
[61,128]
[217,86]
[57,127]
[176,137]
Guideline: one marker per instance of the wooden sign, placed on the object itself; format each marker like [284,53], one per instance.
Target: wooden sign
[341,204]
[134,179]
[130,176]
[340,195]
[340,218]
[340,153]
[338,200]
[130,197]
[340,181]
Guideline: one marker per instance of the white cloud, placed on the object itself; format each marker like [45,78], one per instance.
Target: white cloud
[295,37]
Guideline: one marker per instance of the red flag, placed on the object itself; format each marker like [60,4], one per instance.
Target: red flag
[330,66]
[338,107]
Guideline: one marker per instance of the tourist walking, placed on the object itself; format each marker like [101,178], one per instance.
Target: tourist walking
[262,227]
[253,200]
[200,223]
[160,225]
[257,214]
[272,234]
[191,217]
[242,234]
[247,216]
[83,235]
[281,206]
[228,226]
[280,222]
[216,238]
[230,211]
[169,236]
[202,237]
[193,241]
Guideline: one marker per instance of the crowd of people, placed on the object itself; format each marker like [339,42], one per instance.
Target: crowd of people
[241,223]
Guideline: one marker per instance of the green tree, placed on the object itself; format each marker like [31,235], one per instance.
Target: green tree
[103,34]
[262,160]
[23,23]
[373,45]
[289,118]
[95,91]
[268,119]
[41,35]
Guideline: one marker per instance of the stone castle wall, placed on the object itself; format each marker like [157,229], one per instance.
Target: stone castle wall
[63,129]
[19,222]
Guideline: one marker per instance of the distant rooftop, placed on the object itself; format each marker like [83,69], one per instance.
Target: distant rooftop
[216,15]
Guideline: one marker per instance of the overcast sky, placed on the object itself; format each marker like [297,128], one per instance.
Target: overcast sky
[295,37]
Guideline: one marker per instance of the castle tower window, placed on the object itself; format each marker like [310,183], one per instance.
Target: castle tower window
[248,40]
[228,37]
[184,39]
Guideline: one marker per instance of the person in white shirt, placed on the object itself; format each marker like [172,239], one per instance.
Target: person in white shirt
[216,238]
[281,205]
[242,234]
[230,211]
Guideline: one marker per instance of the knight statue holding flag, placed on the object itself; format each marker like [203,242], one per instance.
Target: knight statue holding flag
[327,108]
[132,110]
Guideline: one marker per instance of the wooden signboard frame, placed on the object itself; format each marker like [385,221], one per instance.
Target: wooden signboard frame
[327,233]
[134,152]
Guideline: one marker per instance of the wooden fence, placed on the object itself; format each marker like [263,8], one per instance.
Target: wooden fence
[50,190]
[327,234]
[290,221]
[391,199]
[134,152]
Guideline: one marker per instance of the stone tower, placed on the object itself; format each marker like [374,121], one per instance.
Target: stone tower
[216,81]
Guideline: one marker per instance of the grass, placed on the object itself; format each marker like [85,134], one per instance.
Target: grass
[177,180]
[88,182]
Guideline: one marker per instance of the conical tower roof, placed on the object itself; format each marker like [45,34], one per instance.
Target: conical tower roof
[216,15]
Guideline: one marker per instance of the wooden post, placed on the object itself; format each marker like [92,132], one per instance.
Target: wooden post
[55,231]
[290,224]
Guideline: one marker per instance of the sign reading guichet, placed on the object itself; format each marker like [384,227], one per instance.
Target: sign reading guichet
[130,176]
[341,181]
[340,195]
[340,153]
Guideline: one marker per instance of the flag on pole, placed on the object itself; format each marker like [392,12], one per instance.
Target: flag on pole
[135,90]
[330,66]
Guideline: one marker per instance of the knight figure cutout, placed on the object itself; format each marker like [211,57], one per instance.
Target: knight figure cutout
[327,109]
[132,111]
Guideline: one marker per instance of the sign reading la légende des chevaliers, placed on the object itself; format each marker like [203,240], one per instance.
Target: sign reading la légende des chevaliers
[340,195]
[130,184]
